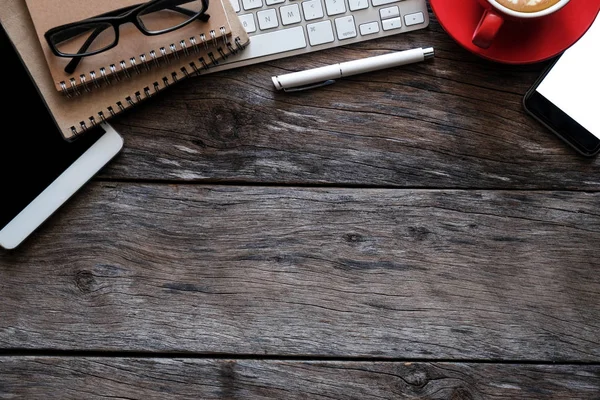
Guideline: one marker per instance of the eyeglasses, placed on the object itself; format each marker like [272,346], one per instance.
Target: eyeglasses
[95,35]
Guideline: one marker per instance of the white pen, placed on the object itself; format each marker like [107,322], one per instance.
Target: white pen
[326,75]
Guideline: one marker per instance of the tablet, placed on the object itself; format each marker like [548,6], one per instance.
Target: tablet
[39,169]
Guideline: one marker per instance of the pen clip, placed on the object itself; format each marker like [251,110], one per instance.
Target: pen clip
[307,87]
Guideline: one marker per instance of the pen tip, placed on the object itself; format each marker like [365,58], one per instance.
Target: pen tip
[276,83]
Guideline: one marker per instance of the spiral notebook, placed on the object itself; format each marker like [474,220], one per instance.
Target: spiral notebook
[74,115]
[135,52]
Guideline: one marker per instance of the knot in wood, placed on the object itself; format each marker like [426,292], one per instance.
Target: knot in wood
[84,280]
[417,378]
[353,238]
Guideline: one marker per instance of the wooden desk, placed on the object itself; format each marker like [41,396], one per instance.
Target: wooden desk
[407,233]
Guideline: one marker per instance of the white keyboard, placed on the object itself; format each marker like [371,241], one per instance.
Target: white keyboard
[283,28]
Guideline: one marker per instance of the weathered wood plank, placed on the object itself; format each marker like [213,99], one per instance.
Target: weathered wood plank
[342,272]
[159,378]
[452,122]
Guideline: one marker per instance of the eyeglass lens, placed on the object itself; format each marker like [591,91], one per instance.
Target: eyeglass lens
[85,38]
[168,14]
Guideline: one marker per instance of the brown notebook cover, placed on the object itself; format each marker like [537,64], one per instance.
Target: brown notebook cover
[75,114]
[135,52]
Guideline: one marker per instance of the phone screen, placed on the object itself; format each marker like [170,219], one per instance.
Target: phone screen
[33,153]
[573,84]
[567,98]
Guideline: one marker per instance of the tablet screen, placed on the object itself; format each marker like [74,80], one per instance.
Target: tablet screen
[573,83]
[33,152]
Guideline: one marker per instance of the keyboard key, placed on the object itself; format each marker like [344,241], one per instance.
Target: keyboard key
[392,23]
[247,21]
[273,42]
[414,19]
[267,19]
[389,12]
[345,27]
[358,4]
[382,2]
[319,33]
[335,7]
[312,9]
[252,4]
[290,14]
[273,2]
[236,5]
[369,28]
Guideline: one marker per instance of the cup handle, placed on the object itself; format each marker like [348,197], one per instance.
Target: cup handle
[488,28]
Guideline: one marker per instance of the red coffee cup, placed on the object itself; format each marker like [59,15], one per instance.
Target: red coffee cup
[495,14]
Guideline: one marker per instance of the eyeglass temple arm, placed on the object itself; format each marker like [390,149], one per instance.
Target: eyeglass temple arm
[72,65]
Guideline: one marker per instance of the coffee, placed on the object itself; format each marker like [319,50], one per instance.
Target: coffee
[527,5]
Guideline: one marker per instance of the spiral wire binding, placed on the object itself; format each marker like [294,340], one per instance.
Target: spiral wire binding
[116,72]
[166,81]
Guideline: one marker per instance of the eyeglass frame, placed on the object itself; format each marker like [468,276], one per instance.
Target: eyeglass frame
[124,15]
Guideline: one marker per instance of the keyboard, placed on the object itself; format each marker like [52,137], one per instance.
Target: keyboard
[284,28]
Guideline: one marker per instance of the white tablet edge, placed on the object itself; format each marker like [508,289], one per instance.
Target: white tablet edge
[62,188]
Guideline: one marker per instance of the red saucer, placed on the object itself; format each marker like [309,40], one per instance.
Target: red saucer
[518,42]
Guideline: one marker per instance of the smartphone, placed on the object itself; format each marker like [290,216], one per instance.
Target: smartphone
[39,169]
[566,97]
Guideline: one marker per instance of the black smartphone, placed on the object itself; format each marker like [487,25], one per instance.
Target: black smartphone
[39,169]
[566,97]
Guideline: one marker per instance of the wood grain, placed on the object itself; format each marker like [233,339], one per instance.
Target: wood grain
[176,378]
[452,122]
[317,245]
[420,274]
